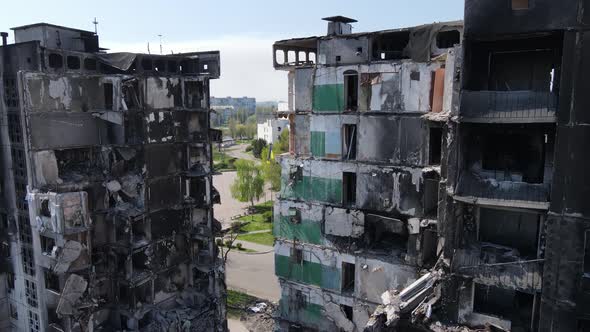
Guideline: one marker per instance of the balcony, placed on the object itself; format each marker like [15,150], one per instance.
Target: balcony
[499,266]
[476,189]
[508,106]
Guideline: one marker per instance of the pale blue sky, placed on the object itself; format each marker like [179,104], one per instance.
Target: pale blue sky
[242,30]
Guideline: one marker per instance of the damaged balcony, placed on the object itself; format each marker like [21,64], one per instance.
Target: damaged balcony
[505,250]
[507,165]
[513,80]
[288,54]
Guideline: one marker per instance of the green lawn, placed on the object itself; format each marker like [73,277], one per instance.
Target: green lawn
[266,238]
[237,302]
[259,221]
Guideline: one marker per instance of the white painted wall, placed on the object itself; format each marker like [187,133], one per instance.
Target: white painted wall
[271,129]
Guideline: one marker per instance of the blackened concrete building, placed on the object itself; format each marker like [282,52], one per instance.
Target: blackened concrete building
[358,207]
[516,212]
[513,216]
[106,205]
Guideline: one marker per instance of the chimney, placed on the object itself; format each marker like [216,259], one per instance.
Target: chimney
[4,36]
[339,25]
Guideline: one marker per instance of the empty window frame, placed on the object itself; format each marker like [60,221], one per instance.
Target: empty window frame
[435,146]
[350,141]
[55,60]
[348,276]
[348,188]
[390,46]
[348,311]
[146,64]
[90,64]
[507,304]
[520,4]
[448,39]
[294,215]
[517,230]
[73,62]
[297,256]
[47,244]
[108,96]
[13,311]
[31,293]
[351,90]
[160,65]
[52,281]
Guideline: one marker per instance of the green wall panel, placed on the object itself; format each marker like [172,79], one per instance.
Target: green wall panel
[310,315]
[307,273]
[318,143]
[314,188]
[307,231]
[328,98]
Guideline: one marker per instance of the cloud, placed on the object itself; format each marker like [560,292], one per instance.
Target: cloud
[246,65]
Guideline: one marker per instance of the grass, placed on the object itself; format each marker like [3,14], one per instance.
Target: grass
[266,238]
[261,220]
[238,302]
[223,162]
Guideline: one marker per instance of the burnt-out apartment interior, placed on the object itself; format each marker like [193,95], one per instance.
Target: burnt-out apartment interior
[107,198]
[513,229]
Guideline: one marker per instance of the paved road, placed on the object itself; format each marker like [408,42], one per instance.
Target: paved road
[236,326]
[253,273]
[229,206]
[239,151]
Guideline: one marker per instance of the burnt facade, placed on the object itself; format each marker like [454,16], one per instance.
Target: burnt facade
[107,199]
[358,207]
[515,219]
[513,222]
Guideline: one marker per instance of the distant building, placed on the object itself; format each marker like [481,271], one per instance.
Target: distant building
[283,107]
[271,129]
[245,103]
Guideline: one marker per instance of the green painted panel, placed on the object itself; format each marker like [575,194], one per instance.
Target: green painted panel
[318,143]
[307,273]
[314,188]
[310,314]
[328,98]
[307,231]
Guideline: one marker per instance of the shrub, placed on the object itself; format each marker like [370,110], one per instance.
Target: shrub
[235,226]
[219,242]
[228,244]
[267,216]
[239,245]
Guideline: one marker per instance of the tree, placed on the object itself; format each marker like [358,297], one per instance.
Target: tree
[282,145]
[249,183]
[257,146]
[271,170]
[232,126]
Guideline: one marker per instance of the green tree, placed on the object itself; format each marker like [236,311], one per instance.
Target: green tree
[232,126]
[257,146]
[271,170]
[249,183]
[282,145]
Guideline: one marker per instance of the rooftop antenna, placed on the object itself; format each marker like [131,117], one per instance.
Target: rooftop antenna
[95,22]
[160,43]
[149,48]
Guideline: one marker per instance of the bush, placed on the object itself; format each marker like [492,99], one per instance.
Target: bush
[235,226]
[249,148]
[239,245]
[228,244]
[257,146]
[267,216]
[219,242]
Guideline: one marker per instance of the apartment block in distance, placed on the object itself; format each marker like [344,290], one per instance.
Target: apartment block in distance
[358,208]
[106,209]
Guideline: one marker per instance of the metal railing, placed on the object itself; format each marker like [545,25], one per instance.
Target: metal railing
[513,106]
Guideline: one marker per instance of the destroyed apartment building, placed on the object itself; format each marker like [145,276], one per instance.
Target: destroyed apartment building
[438,187]
[357,214]
[106,211]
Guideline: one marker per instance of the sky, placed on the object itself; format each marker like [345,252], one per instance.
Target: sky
[243,30]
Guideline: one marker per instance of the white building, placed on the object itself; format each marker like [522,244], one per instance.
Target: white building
[271,129]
